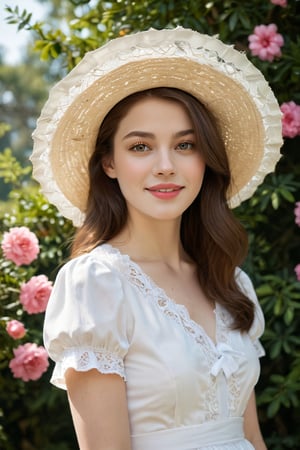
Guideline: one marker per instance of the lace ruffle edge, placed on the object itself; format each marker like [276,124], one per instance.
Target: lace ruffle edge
[84,359]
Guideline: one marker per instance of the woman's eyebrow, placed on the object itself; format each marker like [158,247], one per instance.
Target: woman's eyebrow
[184,133]
[137,133]
[146,134]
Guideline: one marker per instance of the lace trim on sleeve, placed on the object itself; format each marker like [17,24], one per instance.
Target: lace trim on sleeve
[83,359]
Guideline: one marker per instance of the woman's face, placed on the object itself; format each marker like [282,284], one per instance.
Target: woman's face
[156,160]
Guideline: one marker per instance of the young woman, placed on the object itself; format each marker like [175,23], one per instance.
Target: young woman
[153,327]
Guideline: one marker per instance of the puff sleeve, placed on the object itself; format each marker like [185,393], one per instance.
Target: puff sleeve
[87,320]
[258,325]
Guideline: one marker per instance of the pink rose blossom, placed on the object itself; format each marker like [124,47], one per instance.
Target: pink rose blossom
[15,329]
[297,270]
[30,362]
[35,294]
[290,119]
[20,245]
[297,213]
[282,3]
[266,42]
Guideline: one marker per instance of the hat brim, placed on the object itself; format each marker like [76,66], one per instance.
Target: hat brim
[221,78]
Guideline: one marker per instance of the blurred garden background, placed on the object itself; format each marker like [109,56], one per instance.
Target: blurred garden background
[35,238]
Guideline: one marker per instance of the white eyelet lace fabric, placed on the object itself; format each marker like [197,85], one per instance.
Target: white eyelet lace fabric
[168,307]
[84,359]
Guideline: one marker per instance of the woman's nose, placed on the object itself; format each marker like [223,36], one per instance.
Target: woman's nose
[164,163]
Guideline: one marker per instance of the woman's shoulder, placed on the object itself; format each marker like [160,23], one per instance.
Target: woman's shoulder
[246,285]
[89,321]
[102,259]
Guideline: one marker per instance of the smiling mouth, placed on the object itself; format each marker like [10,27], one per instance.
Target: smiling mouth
[165,190]
[165,193]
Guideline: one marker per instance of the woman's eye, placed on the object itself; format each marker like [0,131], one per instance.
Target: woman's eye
[140,148]
[185,146]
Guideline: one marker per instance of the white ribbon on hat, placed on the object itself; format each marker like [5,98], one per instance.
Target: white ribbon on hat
[228,360]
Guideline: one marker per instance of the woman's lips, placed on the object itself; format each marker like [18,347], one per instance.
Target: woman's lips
[165,191]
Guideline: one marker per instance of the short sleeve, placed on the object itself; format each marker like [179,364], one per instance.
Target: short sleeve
[258,325]
[87,319]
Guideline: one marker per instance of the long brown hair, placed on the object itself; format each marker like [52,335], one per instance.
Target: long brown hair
[210,233]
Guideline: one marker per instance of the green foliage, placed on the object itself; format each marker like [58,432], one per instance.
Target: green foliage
[10,169]
[274,237]
[4,127]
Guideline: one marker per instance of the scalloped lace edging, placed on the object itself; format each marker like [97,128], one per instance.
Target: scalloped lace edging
[175,311]
[83,359]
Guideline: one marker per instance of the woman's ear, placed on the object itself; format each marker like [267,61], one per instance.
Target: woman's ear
[109,167]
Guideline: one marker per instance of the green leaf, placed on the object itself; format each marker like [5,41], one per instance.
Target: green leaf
[233,21]
[275,349]
[287,195]
[264,289]
[289,316]
[273,408]
[275,200]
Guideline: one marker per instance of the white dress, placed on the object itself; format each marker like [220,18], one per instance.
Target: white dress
[184,391]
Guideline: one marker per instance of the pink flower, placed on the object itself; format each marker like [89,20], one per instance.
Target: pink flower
[290,119]
[15,329]
[35,294]
[297,270]
[20,245]
[297,213]
[30,362]
[282,3]
[266,42]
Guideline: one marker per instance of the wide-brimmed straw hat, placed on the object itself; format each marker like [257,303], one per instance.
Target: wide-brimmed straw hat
[222,78]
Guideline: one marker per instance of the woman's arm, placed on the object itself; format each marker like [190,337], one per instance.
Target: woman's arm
[251,425]
[99,409]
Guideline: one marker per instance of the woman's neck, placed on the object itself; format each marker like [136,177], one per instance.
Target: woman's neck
[152,241]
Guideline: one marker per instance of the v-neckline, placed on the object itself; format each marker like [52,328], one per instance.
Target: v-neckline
[181,309]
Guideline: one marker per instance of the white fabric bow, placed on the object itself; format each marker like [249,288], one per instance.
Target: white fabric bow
[228,360]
